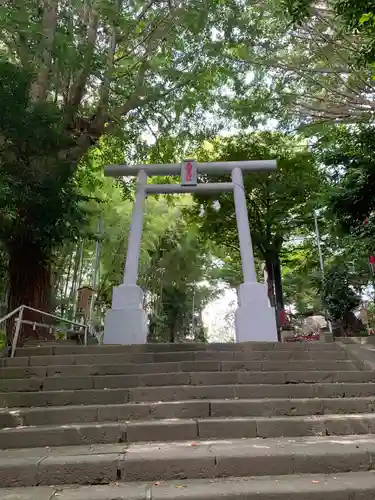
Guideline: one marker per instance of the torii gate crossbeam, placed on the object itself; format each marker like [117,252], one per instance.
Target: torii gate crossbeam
[126,322]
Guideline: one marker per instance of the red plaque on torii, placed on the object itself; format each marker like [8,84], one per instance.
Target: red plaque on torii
[189,173]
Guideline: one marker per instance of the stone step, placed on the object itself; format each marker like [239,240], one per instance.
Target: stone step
[58,349]
[162,357]
[180,378]
[98,464]
[183,393]
[186,429]
[182,366]
[61,415]
[341,486]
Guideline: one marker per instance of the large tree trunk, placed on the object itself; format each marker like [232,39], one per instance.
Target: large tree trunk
[270,284]
[272,295]
[30,284]
[278,284]
[275,289]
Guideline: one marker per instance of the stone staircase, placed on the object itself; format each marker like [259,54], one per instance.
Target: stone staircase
[257,421]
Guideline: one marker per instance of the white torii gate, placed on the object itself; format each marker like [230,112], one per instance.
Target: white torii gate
[126,322]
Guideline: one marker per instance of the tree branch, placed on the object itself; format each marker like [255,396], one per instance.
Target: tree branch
[258,215]
[21,47]
[38,91]
[292,68]
[136,98]
[149,36]
[324,86]
[145,9]
[350,45]
[77,89]
[102,107]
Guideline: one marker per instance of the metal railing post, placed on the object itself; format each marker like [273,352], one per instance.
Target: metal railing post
[19,320]
[9,315]
[17,332]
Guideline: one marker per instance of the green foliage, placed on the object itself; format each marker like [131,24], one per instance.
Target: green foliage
[354,20]
[229,270]
[349,230]
[358,15]
[279,203]
[371,316]
[180,280]
[156,65]
[338,295]
[301,277]
[349,154]
[40,202]
[177,269]
[302,64]
[297,9]
[88,85]
[75,72]
[3,339]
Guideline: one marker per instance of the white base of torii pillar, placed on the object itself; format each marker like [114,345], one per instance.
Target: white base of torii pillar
[126,322]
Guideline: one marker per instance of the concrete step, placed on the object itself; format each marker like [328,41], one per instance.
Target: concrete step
[167,367]
[98,464]
[99,413]
[43,349]
[182,378]
[341,486]
[163,357]
[186,429]
[183,393]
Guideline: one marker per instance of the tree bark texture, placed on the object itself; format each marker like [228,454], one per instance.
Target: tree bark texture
[30,284]
[275,288]
[278,284]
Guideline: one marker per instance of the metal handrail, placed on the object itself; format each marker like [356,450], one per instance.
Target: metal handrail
[54,316]
[19,321]
[9,315]
[18,310]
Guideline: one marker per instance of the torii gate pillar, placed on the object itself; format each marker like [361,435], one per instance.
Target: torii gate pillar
[126,322]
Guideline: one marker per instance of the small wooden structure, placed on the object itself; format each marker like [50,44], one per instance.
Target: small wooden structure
[85,296]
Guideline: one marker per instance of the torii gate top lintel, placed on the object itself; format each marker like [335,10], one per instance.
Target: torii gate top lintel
[175,168]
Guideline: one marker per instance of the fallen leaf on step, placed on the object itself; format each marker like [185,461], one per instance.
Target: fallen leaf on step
[157,483]
[194,443]
[315,481]
[181,486]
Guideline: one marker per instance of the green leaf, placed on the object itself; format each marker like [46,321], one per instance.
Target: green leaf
[366,17]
